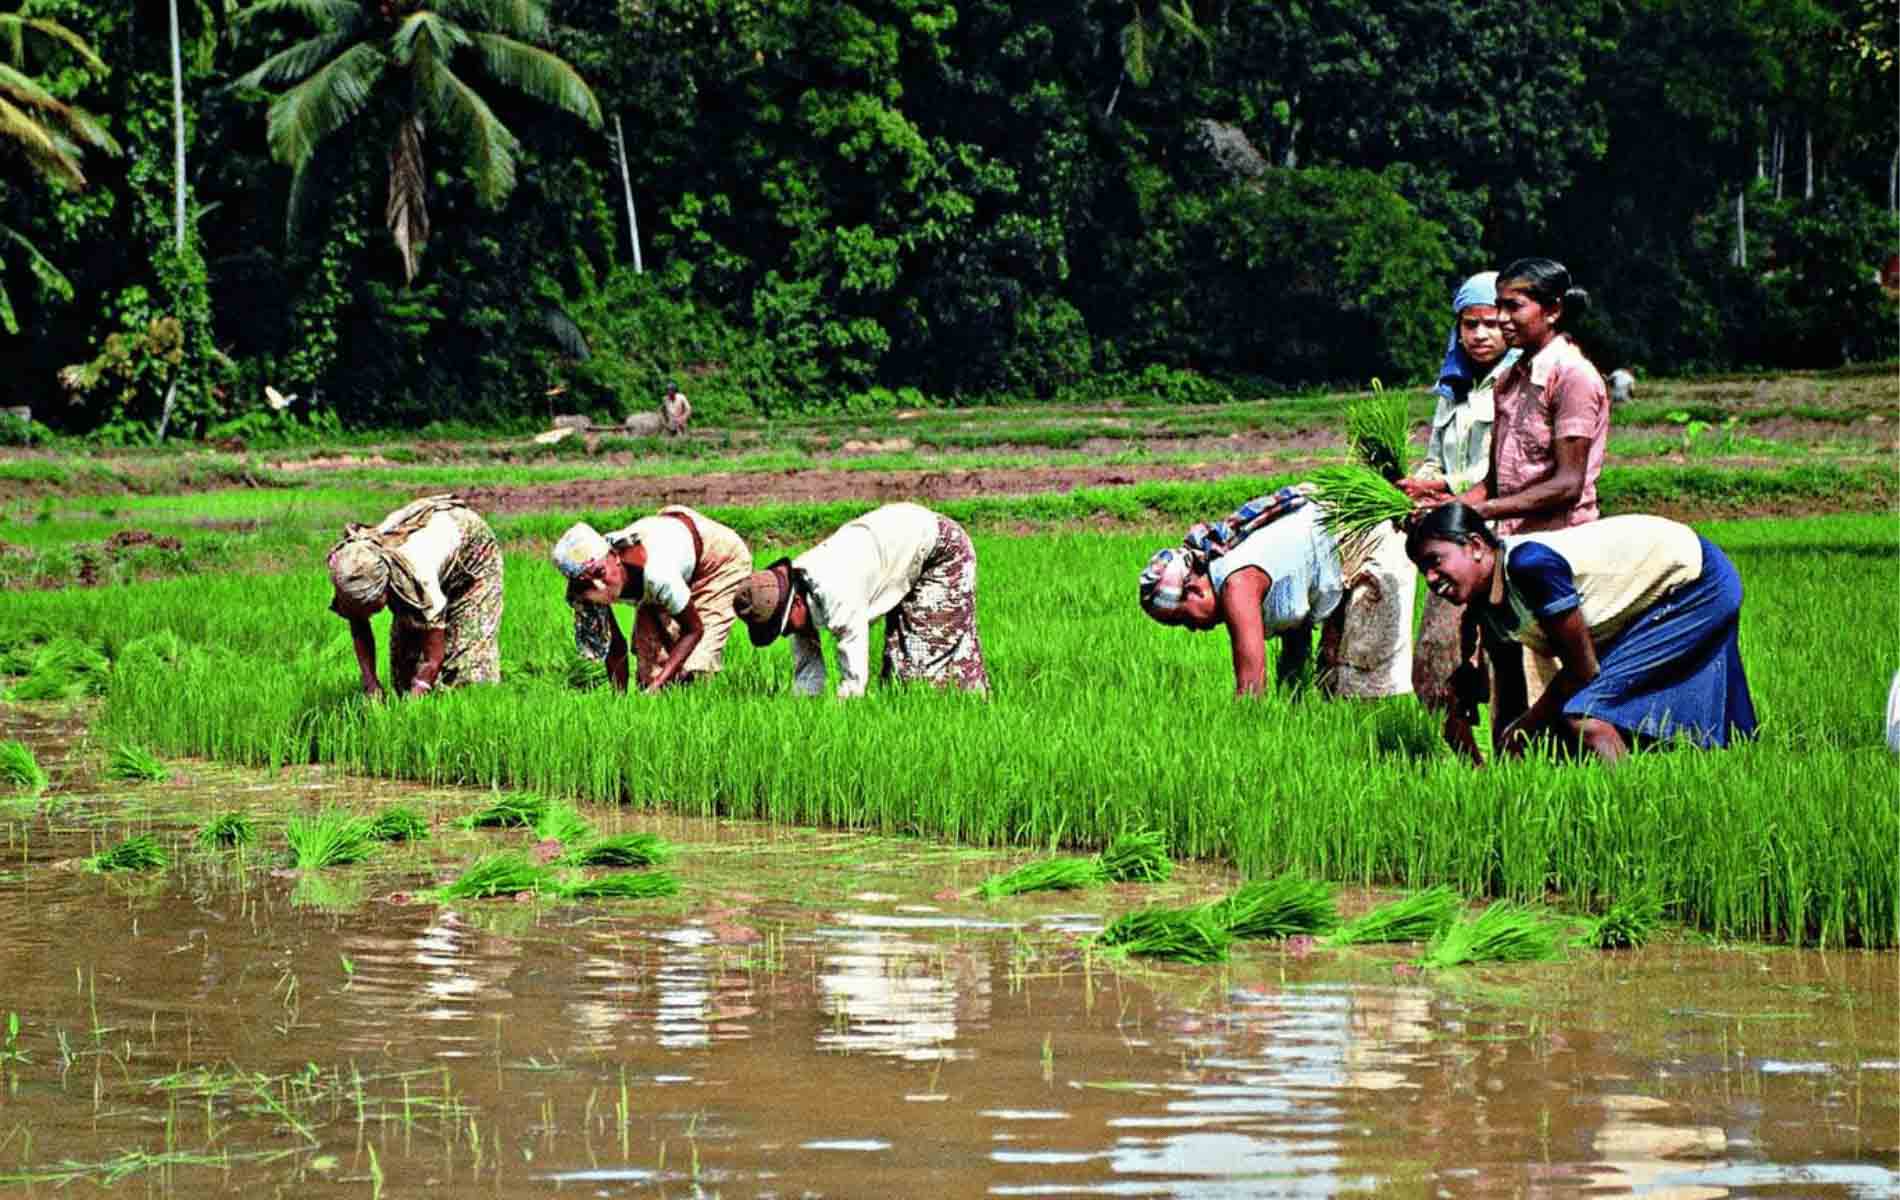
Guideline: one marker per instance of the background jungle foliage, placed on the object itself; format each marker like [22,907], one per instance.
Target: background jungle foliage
[406,213]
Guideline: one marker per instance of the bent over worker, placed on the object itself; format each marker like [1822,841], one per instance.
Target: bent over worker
[436,566]
[902,562]
[679,569]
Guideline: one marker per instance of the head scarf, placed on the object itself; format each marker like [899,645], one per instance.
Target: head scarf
[359,566]
[580,545]
[1164,580]
[1480,289]
[364,566]
[1458,372]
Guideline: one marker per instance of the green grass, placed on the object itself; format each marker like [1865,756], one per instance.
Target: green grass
[645,885]
[227,830]
[132,762]
[1140,857]
[139,853]
[1044,875]
[505,873]
[622,850]
[327,838]
[561,823]
[20,769]
[1628,922]
[62,669]
[398,823]
[1277,908]
[1189,935]
[1419,917]
[1504,932]
[520,810]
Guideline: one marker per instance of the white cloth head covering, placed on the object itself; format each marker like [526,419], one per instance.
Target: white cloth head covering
[580,545]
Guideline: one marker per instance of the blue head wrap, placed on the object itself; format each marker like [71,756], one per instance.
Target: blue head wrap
[1456,375]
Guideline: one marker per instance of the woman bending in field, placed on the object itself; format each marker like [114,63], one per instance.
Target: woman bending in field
[1641,614]
[1272,570]
[679,569]
[436,566]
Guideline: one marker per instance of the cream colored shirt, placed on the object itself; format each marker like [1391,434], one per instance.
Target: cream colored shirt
[1620,567]
[427,552]
[851,579]
[1460,448]
[670,559]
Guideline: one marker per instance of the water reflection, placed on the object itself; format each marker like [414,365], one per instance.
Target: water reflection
[430,987]
[884,993]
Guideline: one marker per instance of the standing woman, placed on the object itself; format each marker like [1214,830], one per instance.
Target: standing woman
[1458,459]
[436,566]
[1641,614]
[680,571]
[1273,571]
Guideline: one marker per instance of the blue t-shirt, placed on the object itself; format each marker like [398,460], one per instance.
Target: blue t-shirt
[1538,582]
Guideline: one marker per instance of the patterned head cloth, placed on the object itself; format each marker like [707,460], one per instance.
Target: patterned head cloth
[359,566]
[1164,580]
[580,545]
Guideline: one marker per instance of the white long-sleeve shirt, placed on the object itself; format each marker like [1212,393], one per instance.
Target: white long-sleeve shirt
[852,578]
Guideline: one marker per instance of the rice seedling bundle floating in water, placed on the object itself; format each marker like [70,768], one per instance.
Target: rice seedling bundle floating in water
[140,853]
[398,824]
[1627,923]
[1378,429]
[507,811]
[506,873]
[1137,858]
[622,850]
[559,822]
[1044,875]
[1356,501]
[642,886]
[1418,917]
[328,838]
[1277,908]
[63,669]
[1190,935]
[227,829]
[20,769]
[1503,932]
[130,761]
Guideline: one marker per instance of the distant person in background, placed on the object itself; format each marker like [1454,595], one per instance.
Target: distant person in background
[675,409]
[680,570]
[1457,459]
[1893,714]
[436,566]
[911,567]
[1641,613]
[1271,570]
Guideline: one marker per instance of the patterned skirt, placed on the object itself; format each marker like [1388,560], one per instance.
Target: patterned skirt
[931,634]
[471,651]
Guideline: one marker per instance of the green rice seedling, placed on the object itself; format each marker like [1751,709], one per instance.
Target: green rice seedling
[1377,429]
[20,769]
[562,824]
[642,886]
[227,829]
[622,850]
[1277,908]
[160,649]
[18,646]
[509,810]
[1627,923]
[1044,875]
[139,853]
[398,824]
[1418,917]
[131,761]
[1137,858]
[1189,935]
[327,838]
[1503,932]
[1357,501]
[502,874]
[63,669]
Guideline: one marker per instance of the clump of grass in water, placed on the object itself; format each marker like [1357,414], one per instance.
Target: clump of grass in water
[1137,858]
[622,850]
[140,853]
[1044,875]
[130,761]
[1503,932]
[1378,429]
[1190,935]
[514,809]
[227,829]
[398,824]
[1356,501]
[503,874]
[1628,922]
[559,822]
[63,669]
[643,886]
[1415,918]
[328,838]
[1277,908]
[20,769]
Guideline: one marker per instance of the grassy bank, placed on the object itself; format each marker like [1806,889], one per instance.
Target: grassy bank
[1104,721]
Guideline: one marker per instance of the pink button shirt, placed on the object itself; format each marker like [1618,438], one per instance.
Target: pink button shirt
[1557,394]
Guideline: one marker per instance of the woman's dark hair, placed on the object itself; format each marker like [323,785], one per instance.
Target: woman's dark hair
[1548,282]
[1454,522]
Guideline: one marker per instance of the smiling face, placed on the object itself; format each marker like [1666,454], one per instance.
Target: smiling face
[1199,610]
[1527,323]
[1481,333]
[1457,571]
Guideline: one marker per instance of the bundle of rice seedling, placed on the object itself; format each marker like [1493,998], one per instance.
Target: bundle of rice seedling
[1414,918]
[1044,875]
[504,874]
[19,769]
[227,829]
[134,762]
[1377,429]
[508,810]
[1628,922]
[18,646]
[398,824]
[643,886]
[622,850]
[1503,932]
[140,853]
[560,823]
[1356,501]
[163,648]
[328,838]
[1277,908]
[1189,935]
[63,669]
[1137,858]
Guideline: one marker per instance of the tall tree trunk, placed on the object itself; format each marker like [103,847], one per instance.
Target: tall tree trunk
[626,186]
[1807,140]
[1779,152]
[1741,217]
[178,186]
[1893,186]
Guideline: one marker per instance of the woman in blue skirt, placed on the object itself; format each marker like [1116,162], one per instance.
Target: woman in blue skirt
[1642,612]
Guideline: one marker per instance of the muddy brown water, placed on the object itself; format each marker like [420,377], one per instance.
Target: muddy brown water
[821,1013]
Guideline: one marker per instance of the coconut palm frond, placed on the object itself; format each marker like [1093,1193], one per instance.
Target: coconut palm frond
[1135,45]
[328,15]
[13,25]
[317,107]
[490,145]
[50,154]
[1181,22]
[537,73]
[425,35]
[289,66]
[49,276]
[516,18]
[8,321]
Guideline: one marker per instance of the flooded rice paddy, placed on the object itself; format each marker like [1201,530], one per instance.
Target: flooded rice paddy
[819,1013]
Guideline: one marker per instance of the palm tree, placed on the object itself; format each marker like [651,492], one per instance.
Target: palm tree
[49,133]
[1147,32]
[408,54]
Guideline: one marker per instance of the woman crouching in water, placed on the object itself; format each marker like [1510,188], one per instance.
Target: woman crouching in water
[1641,613]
